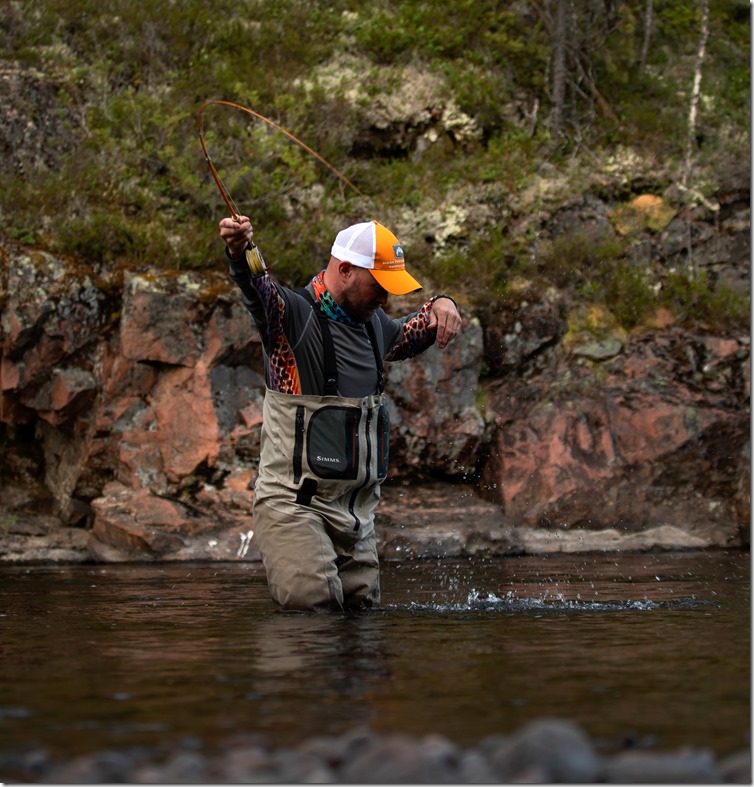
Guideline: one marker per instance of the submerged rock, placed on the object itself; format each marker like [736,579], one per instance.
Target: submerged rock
[545,751]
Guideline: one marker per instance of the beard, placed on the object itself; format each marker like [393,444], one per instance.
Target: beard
[354,305]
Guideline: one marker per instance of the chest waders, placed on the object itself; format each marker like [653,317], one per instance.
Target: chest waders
[322,461]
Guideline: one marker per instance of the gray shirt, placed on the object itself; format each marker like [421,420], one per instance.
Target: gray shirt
[292,338]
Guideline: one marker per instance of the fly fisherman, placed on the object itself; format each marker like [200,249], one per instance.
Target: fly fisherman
[324,444]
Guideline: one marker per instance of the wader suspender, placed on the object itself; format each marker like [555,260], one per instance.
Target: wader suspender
[331,372]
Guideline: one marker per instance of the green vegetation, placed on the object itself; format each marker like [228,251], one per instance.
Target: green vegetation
[120,177]
[695,299]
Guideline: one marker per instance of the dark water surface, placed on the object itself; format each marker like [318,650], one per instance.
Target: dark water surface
[651,648]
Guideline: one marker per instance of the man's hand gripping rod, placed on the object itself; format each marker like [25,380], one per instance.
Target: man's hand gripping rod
[253,255]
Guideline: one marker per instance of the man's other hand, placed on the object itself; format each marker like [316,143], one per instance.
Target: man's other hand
[446,319]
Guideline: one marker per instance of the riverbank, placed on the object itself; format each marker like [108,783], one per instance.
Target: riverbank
[425,520]
[143,441]
[542,752]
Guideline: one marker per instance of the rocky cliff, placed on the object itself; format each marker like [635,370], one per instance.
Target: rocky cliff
[131,411]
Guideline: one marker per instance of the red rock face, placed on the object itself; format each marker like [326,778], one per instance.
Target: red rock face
[654,437]
[136,413]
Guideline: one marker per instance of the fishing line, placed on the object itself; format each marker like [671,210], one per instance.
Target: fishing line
[253,255]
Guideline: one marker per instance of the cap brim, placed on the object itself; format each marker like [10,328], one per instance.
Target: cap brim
[396,282]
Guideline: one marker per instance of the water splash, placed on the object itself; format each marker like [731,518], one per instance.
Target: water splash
[245,543]
[477,601]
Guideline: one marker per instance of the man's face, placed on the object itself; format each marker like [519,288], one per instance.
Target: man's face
[362,295]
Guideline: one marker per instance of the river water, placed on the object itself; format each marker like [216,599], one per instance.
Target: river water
[640,649]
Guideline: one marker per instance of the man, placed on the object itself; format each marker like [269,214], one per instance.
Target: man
[324,445]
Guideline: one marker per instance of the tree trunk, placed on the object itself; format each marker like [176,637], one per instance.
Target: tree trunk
[695,91]
[693,110]
[559,67]
[648,22]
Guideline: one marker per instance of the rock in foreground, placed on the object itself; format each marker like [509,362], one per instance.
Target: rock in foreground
[542,752]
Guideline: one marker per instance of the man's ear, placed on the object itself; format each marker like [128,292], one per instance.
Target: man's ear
[345,269]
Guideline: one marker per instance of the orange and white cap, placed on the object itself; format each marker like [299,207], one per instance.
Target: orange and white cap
[370,245]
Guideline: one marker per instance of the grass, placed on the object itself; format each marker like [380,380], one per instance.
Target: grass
[119,174]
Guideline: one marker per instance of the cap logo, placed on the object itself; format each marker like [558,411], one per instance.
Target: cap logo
[398,251]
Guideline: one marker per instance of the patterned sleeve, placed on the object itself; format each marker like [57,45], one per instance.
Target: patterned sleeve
[262,299]
[267,306]
[417,336]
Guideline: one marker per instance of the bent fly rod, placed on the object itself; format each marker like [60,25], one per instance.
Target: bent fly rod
[253,255]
